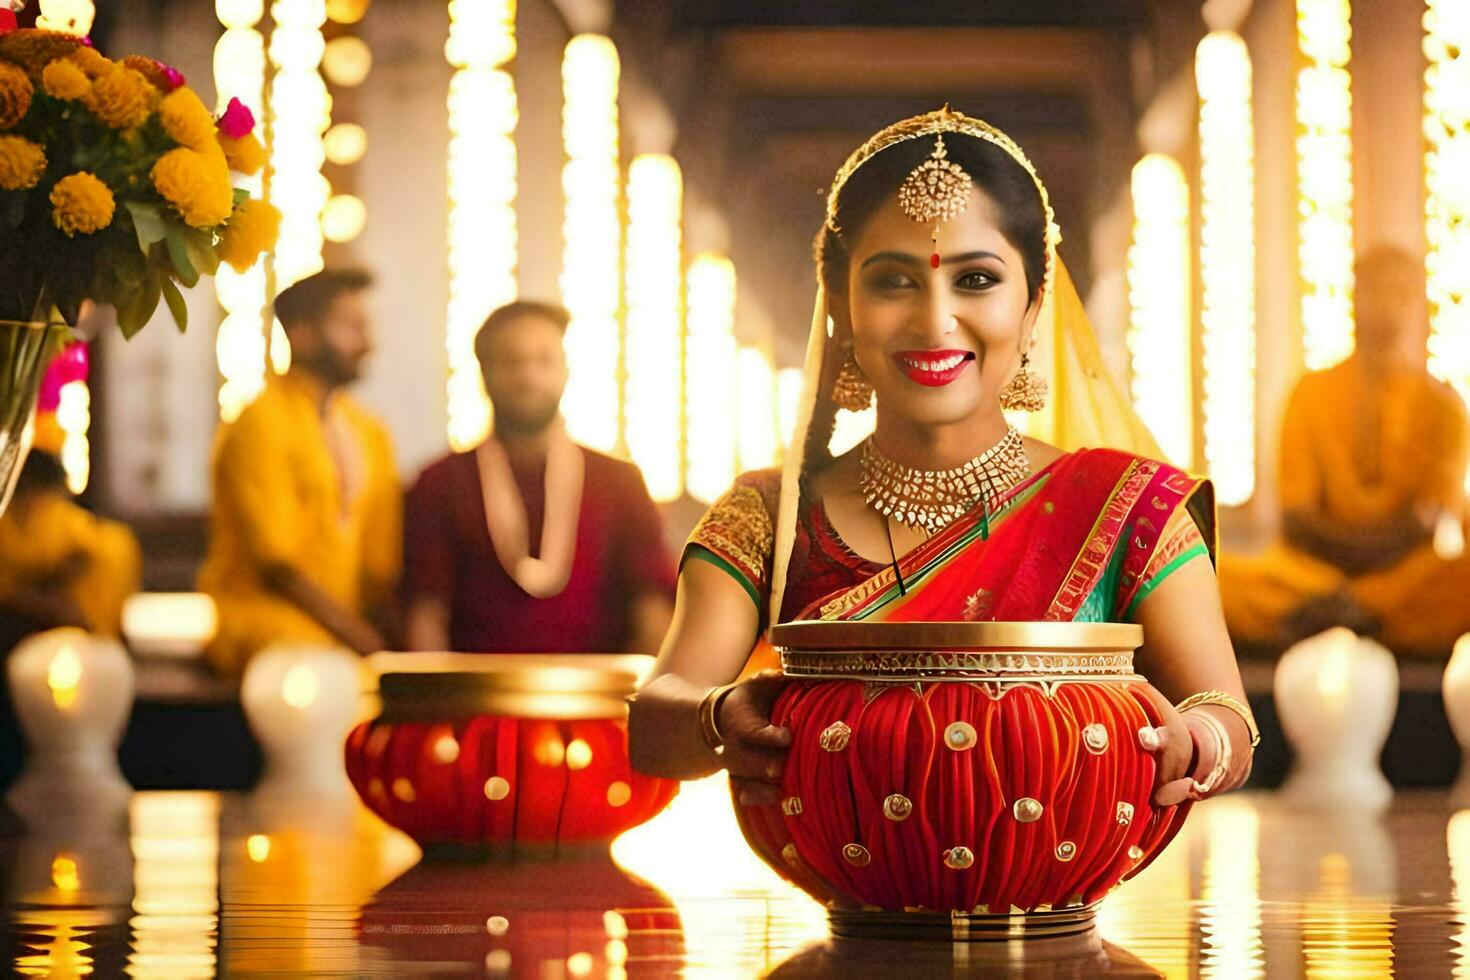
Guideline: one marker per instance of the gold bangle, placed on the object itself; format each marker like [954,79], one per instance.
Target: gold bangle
[709,709]
[1225,701]
[1224,755]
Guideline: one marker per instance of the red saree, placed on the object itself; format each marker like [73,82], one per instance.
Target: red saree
[1085,539]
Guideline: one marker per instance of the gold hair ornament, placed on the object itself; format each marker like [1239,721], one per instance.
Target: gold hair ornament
[936,190]
[937,123]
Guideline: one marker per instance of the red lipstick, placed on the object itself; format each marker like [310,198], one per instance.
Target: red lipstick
[933,368]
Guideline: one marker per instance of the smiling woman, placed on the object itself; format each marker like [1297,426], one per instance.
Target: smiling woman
[937,270]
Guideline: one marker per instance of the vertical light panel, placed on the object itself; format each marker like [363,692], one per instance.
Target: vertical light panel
[788,401]
[1227,262]
[240,345]
[1324,112]
[300,112]
[710,429]
[1447,202]
[483,246]
[758,439]
[74,418]
[592,240]
[347,60]
[653,398]
[1161,320]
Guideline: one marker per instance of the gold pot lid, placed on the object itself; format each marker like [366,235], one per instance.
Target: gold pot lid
[815,636]
[561,686]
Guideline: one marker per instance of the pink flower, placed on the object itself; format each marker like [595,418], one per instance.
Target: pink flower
[172,76]
[72,364]
[237,121]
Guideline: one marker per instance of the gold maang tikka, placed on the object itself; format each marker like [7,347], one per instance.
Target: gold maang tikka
[937,190]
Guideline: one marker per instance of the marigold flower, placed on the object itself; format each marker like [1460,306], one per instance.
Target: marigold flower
[91,61]
[49,436]
[163,77]
[15,94]
[122,98]
[186,120]
[34,49]
[62,79]
[245,155]
[197,184]
[21,163]
[252,229]
[81,203]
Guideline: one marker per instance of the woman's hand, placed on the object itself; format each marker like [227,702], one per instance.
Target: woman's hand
[1235,767]
[1187,750]
[1172,746]
[755,750]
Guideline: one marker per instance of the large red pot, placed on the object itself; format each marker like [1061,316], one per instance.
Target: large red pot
[504,751]
[969,780]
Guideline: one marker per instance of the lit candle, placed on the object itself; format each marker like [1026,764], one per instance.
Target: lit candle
[1336,695]
[301,702]
[72,693]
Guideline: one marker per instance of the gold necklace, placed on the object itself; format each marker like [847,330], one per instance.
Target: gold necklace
[931,499]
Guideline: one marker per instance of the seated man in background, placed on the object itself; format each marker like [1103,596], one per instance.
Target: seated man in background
[531,543]
[61,565]
[1373,457]
[305,528]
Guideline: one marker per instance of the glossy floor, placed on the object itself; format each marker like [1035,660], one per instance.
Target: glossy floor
[194,884]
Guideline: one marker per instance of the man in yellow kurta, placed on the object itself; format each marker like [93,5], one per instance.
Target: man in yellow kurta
[60,564]
[305,532]
[1373,460]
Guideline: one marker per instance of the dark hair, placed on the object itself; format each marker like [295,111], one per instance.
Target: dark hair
[993,170]
[308,300]
[504,316]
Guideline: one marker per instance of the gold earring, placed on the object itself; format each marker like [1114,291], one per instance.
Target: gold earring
[852,390]
[1025,392]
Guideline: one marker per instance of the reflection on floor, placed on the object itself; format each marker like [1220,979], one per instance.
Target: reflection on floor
[194,884]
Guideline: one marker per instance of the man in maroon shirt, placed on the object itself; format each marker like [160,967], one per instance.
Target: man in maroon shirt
[530,543]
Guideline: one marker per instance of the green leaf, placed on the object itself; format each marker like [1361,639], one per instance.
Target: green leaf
[178,254]
[242,195]
[129,302]
[124,262]
[148,222]
[175,301]
[199,243]
[135,307]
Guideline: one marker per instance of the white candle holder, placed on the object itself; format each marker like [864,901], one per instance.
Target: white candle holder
[1455,688]
[301,703]
[73,693]
[1336,696]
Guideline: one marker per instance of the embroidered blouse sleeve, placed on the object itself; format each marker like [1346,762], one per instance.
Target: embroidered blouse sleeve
[737,534]
[1180,542]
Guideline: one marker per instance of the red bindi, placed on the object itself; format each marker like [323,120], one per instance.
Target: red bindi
[934,260]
